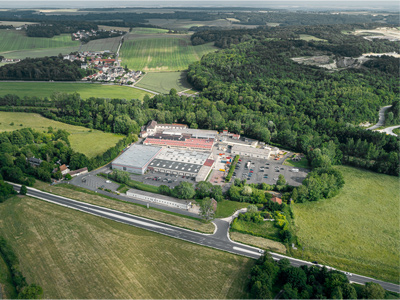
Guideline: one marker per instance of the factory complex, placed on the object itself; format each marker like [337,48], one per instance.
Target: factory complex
[179,150]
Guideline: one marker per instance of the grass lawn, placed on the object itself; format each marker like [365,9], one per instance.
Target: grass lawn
[76,255]
[85,195]
[163,82]
[15,44]
[303,163]
[81,139]
[265,229]
[227,208]
[358,230]
[85,90]
[162,52]
[307,37]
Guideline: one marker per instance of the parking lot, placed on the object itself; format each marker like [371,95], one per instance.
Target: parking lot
[267,171]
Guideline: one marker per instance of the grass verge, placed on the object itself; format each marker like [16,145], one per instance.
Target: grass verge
[258,242]
[81,194]
[227,208]
[357,230]
[77,255]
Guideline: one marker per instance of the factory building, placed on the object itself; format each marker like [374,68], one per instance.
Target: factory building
[153,127]
[263,153]
[159,199]
[180,141]
[136,159]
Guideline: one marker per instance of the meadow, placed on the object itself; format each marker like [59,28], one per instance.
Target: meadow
[85,90]
[162,52]
[163,82]
[76,255]
[307,37]
[358,230]
[82,139]
[15,44]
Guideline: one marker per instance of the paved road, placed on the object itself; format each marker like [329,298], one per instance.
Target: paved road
[389,130]
[218,240]
[381,120]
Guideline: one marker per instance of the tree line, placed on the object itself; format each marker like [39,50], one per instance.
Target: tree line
[50,29]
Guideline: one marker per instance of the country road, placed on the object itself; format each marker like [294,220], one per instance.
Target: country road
[218,240]
[389,130]
[381,120]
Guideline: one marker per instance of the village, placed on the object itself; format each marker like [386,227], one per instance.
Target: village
[105,66]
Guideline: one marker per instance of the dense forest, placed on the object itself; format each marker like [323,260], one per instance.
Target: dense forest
[50,29]
[46,68]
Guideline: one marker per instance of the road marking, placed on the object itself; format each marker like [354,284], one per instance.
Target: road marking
[245,250]
[125,218]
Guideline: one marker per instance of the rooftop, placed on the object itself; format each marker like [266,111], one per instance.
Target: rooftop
[252,150]
[137,156]
[187,156]
[175,166]
[158,196]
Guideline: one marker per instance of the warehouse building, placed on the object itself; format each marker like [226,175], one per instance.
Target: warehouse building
[263,153]
[136,159]
[159,199]
[180,141]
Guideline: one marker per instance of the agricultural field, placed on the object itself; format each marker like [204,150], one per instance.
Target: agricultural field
[358,230]
[307,37]
[110,44]
[145,30]
[15,44]
[85,90]
[82,139]
[76,255]
[163,82]
[161,52]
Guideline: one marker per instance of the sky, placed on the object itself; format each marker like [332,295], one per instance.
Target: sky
[322,4]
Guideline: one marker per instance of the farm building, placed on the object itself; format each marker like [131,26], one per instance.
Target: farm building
[159,199]
[136,159]
[263,153]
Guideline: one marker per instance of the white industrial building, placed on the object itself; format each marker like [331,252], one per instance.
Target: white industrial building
[136,159]
[263,153]
[159,199]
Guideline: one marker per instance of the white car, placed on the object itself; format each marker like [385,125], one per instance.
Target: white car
[348,274]
[261,251]
[108,181]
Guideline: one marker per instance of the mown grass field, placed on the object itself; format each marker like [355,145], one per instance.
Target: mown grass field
[8,290]
[358,230]
[76,255]
[308,37]
[85,90]
[15,44]
[81,139]
[265,229]
[162,52]
[163,82]
[227,208]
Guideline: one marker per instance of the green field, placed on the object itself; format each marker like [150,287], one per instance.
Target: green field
[86,90]
[163,82]
[303,163]
[358,230]
[144,30]
[6,281]
[76,255]
[15,44]
[227,208]
[161,52]
[82,140]
[265,229]
[184,24]
[110,44]
[308,37]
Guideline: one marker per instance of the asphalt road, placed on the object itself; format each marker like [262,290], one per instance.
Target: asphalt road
[218,240]
[381,120]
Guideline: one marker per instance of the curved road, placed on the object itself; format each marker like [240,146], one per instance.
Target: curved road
[389,130]
[381,120]
[218,240]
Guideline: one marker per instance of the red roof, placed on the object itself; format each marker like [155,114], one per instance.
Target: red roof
[209,162]
[108,60]
[63,168]
[277,200]
[205,144]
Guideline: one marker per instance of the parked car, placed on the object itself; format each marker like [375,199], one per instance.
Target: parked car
[108,181]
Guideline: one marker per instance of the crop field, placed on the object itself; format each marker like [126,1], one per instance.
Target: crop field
[85,90]
[81,138]
[187,23]
[308,37]
[163,82]
[76,255]
[14,44]
[145,30]
[110,44]
[358,230]
[162,52]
